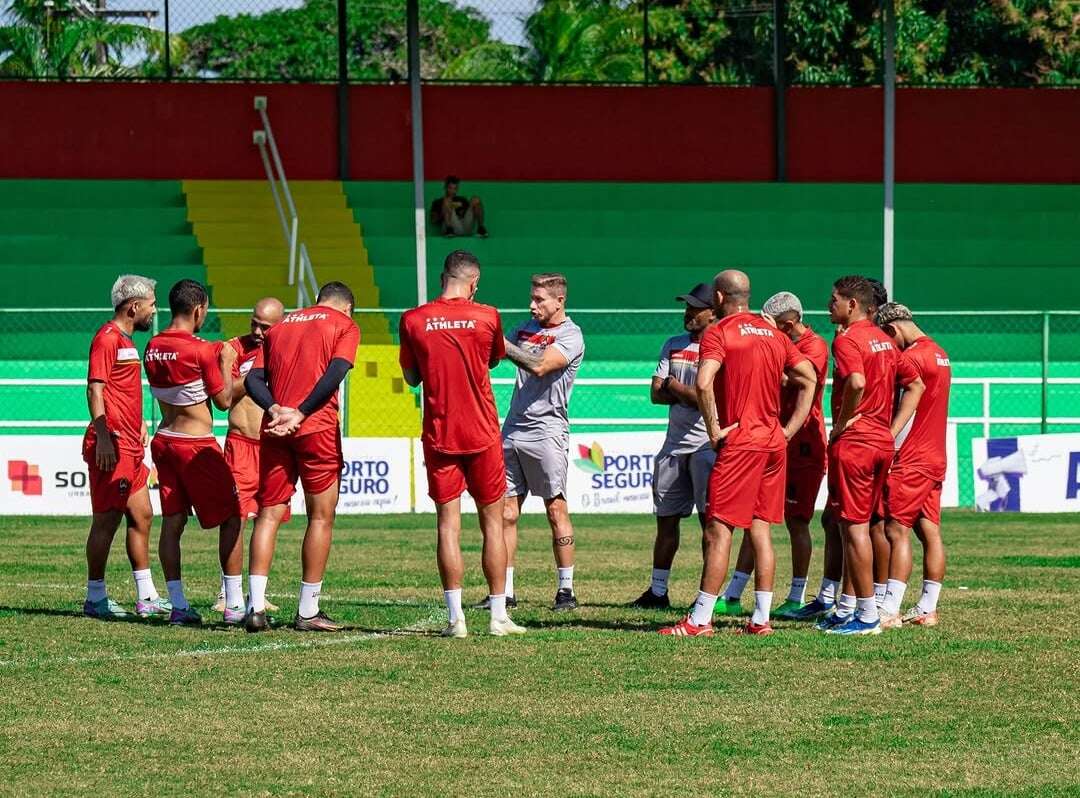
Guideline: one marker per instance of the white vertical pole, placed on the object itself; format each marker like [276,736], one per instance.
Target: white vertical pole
[413,32]
[889,176]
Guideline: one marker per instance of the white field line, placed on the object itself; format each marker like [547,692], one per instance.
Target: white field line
[433,620]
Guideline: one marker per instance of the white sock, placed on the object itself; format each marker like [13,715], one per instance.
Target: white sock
[144,585]
[221,588]
[234,591]
[846,605]
[928,600]
[95,590]
[509,580]
[879,592]
[868,610]
[453,604]
[701,612]
[736,586]
[498,607]
[762,605]
[566,578]
[176,594]
[894,596]
[257,592]
[797,593]
[827,592]
[660,578]
[309,599]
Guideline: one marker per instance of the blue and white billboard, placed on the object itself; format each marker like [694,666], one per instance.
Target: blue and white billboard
[1027,473]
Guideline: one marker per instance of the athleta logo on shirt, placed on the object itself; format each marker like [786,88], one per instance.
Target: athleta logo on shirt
[295,317]
[941,361]
[154,354]
[880,346]
[751,329]
[440,323]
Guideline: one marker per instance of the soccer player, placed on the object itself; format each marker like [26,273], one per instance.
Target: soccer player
[449,345]
[295,377]
[245,422]
[861,443]
[913,492]
[741,364]
[805,460]
[548,350]
[186,374]
[113,448]
[682,466]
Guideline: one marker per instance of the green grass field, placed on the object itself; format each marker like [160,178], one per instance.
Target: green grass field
[594,703]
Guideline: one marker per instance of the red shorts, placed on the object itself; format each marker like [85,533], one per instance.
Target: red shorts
[192,472]
[314,457]
[910,496]
[745,485]
[857,474]
[803,485]
[110,490]
[242,455]
[483,473]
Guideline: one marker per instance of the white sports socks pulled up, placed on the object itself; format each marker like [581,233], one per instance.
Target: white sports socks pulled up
[701,612]
[880,589]
[309,599]
[498,607]
[453,603]
[659,583]
[176,594]
[762,605]
[894,597]
[867,609]
[846,605]
[566,578]
[930,592]
[234,591]
[828,591]
[95,590]
[509,580]
[736,586]
[144,585]
[257,592]
[797,592]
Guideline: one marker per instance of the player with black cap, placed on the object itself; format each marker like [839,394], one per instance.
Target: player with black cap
[682,467]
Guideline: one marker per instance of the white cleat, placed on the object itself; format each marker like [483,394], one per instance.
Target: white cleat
[456,629]
[505,627]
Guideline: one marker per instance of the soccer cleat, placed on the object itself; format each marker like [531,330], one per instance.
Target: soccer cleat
[565,600]
[687,628]
[505,627]
[256,622]
[511,603]
[146,608]
[105,610]
[809,612]
[890,621]
[233,616]
[185,617]
[832,619]
[219,605]
[319,622]
[785,611]
[732,608]
[456,629]
[752,628]
[853,626]
[650,601]
[917,617]
[482,232]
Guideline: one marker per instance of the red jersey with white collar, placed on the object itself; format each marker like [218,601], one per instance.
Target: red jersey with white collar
[182,368]
[114,361]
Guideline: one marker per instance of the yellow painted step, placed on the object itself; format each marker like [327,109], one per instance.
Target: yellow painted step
[265,215]
[379,401]
[322,258]
[297,187]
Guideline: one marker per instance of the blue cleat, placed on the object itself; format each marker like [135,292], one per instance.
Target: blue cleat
[809,612]
[105,610]
[832,619]
[853,626]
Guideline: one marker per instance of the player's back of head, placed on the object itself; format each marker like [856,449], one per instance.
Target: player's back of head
[461,265]
[783,306]
[734,285]
[854,286]
[130,287]
[186,296]
[881,294]
[337,295]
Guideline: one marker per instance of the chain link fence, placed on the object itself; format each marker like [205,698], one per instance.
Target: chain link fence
[735,42]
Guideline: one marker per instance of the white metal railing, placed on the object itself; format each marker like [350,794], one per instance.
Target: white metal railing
[301,270]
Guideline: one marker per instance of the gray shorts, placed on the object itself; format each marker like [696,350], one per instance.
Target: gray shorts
[681,481]
[536,467]
[462,225]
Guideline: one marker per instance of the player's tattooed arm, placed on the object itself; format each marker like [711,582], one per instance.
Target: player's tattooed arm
[659,394]
[706,396]
[538,365]
[803,378]
[913,393]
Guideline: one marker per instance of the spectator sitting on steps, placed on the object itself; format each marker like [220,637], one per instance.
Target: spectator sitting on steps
[457,215]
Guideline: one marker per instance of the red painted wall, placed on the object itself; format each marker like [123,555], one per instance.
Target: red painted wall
[132,130]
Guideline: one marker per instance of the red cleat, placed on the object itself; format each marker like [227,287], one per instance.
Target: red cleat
[687,628]
[752,628]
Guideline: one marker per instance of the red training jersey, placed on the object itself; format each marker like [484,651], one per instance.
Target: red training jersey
[863,348]
[923,450]
[753,355]
[246,352]
[114,361]
[183,369]
[807,447]
[296,353]
[453,343]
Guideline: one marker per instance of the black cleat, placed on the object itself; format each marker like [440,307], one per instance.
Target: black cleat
[511,603]
[256,622]
[320,622]
[565,600]
[482,232]
[650,601]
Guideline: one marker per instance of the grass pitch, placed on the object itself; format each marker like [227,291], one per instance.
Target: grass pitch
[592,703]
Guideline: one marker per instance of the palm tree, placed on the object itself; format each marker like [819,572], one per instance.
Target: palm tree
[586,40]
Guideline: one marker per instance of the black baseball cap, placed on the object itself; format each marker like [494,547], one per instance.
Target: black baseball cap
[700,296]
